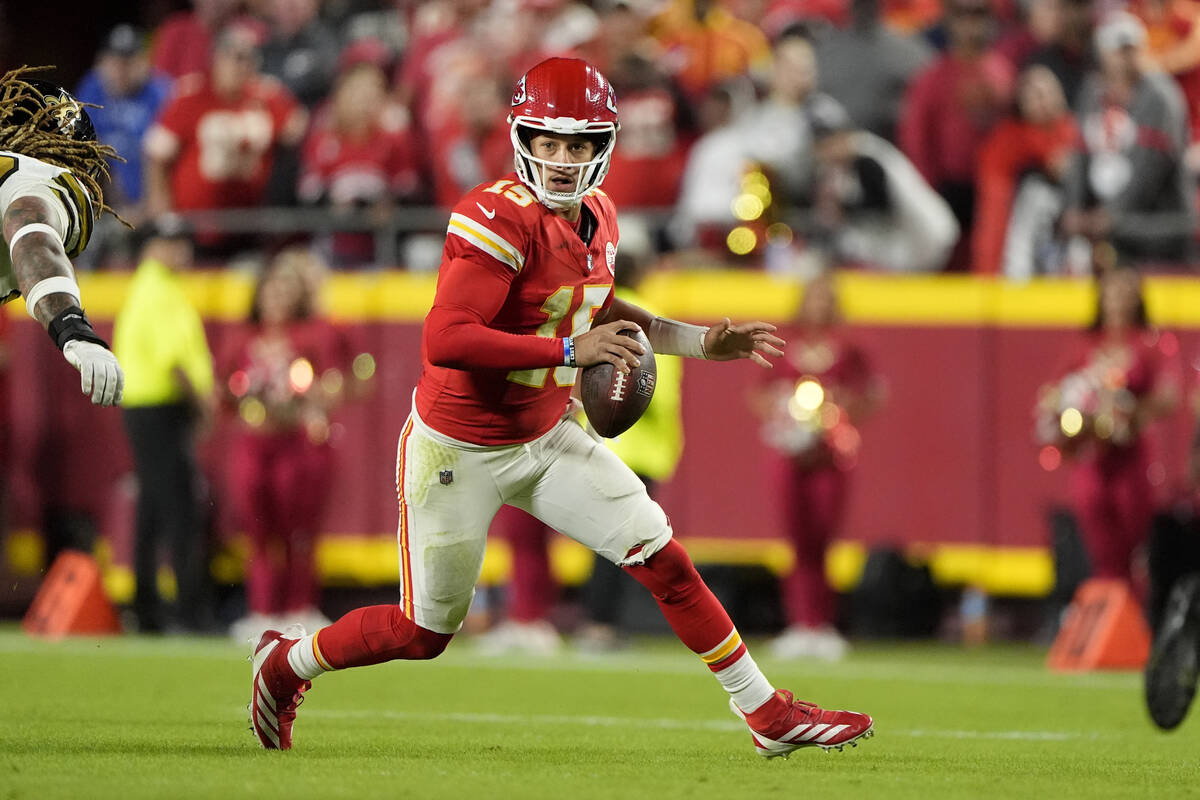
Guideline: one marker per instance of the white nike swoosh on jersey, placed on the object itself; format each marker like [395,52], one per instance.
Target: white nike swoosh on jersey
[486,213]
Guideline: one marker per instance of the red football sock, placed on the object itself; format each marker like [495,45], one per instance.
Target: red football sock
[374,634]
[700,622]
[691,609]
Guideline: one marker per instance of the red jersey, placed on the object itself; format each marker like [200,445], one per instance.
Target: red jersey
[346,170]
[182,45]
[515,279]
[648,168]
[225,145]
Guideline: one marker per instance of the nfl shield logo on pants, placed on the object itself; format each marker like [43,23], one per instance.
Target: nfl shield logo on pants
[446,477]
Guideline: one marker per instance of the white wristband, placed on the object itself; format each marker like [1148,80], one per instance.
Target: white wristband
[677,338]
[33,227]
[59,284]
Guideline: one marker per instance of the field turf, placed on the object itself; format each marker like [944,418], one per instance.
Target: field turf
[165,718]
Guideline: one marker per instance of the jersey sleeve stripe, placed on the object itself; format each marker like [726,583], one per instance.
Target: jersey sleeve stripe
[80,205]
[8,166]
[486,240]
[71,238]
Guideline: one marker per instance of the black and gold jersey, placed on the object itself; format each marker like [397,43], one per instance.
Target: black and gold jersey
[73,211]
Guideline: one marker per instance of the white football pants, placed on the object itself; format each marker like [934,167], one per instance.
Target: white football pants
[450,490]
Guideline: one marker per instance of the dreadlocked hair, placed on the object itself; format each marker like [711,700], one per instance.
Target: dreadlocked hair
[25,135]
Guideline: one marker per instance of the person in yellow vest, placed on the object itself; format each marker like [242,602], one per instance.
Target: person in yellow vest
[158,337]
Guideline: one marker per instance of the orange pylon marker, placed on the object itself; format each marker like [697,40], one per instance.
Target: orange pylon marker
[1104,629]
[71,600]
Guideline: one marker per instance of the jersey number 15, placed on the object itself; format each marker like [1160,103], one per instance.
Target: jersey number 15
[556,308]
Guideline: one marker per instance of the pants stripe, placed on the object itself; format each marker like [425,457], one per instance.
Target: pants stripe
[405,559]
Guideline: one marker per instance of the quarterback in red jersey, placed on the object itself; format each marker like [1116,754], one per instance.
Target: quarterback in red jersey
[524,298]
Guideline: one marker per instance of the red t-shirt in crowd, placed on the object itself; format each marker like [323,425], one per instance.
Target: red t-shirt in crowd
[1011,149]
[515,278]
[647,167]
[225,145]
[949,109]
[461,159]
[380,164]
[182,45]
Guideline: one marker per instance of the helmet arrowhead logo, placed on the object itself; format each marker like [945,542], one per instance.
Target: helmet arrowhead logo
[519,96]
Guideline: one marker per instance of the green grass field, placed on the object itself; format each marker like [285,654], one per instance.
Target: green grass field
[158,718]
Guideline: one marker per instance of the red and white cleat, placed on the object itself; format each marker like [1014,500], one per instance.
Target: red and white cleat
[276,690]
[785,724]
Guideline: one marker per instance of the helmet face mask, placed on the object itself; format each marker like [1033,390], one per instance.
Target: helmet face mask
[570,97]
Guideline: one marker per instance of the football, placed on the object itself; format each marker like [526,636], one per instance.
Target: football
[612,400]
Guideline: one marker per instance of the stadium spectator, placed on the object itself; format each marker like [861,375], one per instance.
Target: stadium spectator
[183,42]
[1068,52]
[360,154]
[655,134]
[488,426]
[1117,380]
[951,106]
[300,50]
[438,31]
[214,144]
[1127,192]
[283,371]
[159,337]
[1173,45]
[658,124]
[772,135]
[777,130]
[810,407]
[466,144]
[866,67]
[1021,167]
[1041,26]
[713,174]
[127,96]
[870,205]
[706,45]
[530,30]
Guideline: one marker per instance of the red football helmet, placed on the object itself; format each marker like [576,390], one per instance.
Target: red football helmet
[569,96]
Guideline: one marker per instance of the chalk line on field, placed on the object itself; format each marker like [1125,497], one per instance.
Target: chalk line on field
[663,723]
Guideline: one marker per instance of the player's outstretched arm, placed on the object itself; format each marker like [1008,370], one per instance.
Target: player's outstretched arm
[47,281]
[721,342]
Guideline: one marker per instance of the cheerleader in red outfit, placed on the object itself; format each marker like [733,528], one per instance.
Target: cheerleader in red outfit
[1118,380]
[284,372]
[810,406]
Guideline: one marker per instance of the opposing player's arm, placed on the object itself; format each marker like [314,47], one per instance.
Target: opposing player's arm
[721,342]
[47,281]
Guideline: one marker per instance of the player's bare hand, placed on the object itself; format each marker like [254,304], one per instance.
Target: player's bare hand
[753,340]
[605,344]
[100,375]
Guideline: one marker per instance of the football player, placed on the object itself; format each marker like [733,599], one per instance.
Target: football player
[524,298]
[49,200]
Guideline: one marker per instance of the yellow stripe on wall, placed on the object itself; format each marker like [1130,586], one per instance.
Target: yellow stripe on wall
[707,295]
[364,560]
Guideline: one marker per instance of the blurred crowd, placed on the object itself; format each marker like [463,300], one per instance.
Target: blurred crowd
[1019,137]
